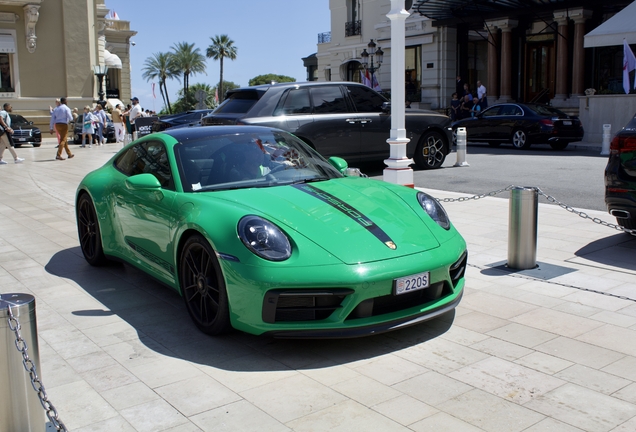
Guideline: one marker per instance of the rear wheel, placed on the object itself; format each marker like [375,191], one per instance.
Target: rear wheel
[89,233]
[203,287]
[430,153]
[559,145]
[520,139]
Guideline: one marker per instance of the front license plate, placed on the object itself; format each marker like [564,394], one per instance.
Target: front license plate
[414,282]
[567,123]
[20,139]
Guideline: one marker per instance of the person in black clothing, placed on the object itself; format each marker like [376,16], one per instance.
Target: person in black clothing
[466,107]
[459,87]
[455,106]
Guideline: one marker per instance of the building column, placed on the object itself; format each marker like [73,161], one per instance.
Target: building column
[493,72]
[506,27]
[578,64]
[561,92]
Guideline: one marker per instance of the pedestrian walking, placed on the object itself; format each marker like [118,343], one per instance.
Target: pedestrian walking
[87,127]
[135,113]
[482,96]
[60,118]
[4,140]
[6,109]
[118,122]
[100,116]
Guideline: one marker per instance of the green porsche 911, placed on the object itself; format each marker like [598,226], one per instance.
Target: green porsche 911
[259,232]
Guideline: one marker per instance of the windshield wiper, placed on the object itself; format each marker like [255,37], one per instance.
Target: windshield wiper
[310,180]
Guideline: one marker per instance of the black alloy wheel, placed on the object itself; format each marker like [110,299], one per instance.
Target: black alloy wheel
[88,231]
[203,286]
[429,153]
[520,139]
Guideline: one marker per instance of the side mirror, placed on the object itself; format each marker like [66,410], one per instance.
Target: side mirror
[30,122]
[386,107]
[147,182]
[339,163]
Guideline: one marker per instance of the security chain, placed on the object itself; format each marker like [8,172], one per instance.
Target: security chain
[29,366]
[550,199]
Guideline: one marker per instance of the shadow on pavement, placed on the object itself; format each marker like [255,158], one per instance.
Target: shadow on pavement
[618,250]
[158,315]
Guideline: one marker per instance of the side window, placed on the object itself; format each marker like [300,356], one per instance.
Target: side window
[510,110]
[490,112]
[365,99]
[328,100]
[296,101]
[147,157]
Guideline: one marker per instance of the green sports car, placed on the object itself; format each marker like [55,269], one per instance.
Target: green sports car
[259,232]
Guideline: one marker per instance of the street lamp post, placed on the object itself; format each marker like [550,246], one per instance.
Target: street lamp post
[370,55]
[99,72]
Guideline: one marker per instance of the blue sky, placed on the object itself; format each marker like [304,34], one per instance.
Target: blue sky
[272,36]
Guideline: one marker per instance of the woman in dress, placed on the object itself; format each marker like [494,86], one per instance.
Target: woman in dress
[87,127]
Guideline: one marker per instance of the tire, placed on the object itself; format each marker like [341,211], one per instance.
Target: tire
[203,287]
[88,231]
[37,145]
[520,139]
[430,152]
[494,144]
[17,145]
[627,223]
[559,145]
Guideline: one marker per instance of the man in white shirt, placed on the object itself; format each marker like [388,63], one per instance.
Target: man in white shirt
[135,112]
[481,95]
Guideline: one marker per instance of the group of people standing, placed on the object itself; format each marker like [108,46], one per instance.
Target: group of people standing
[465,103]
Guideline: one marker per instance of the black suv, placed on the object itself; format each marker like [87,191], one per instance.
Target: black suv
[343,119]
[182,119]
[24,132]
[620,177]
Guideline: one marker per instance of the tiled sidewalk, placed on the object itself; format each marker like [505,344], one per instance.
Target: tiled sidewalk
[537,350]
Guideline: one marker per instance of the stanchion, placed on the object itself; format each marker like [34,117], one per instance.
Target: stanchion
[522,228]
[607,135]
[461,148]
[20,407]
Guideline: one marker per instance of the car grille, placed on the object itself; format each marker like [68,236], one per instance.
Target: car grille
[302,304]
[21,133]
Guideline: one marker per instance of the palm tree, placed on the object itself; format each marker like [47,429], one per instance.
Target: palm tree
[189,61]
[222,46]
[160,66]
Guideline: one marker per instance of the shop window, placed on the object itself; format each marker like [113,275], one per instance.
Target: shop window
[8,65]
[413,72]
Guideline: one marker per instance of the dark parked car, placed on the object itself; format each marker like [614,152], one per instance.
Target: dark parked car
[620,177]
[183,119]
[522,125]
[24,132]
[344,119]
[77,130]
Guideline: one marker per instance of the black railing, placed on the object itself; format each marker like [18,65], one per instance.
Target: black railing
[324,37]
[353,28]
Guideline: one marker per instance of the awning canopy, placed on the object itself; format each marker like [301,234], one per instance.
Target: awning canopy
[614,30]
[112,103]
[7,43]
[112,60]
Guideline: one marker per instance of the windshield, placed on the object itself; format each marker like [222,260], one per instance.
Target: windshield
[245,160]
[17,118]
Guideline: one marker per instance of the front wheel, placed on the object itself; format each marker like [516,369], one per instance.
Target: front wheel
[559,145]
[520,139]
[88,230]
[203,287]
[430,153]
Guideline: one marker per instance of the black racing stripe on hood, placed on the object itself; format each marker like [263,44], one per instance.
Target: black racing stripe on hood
[349,211]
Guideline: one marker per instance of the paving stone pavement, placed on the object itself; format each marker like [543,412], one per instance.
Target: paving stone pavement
[549,349]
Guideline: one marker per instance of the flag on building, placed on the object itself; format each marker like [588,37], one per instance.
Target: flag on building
[629,64]
[366,78]
[114,16]
[375,85]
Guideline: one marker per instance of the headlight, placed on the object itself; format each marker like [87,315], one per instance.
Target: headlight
[264,238]
[434,209]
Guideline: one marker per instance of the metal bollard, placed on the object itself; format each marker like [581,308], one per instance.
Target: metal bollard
[607,136]
[20,407]
[522,228]
[461,147]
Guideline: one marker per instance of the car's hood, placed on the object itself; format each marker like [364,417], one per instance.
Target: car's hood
[355,220]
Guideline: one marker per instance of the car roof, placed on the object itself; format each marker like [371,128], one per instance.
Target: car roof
[295,84]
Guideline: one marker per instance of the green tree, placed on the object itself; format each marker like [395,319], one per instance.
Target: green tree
[268,78]
[190,102]
[227,86]
[222,47]
[188,61]
[161,67]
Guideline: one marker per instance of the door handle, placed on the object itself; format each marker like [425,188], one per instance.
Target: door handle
[366,120]
[352,120]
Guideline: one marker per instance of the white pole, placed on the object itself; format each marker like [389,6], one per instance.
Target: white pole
[398,168]
[461,148]
[607,134]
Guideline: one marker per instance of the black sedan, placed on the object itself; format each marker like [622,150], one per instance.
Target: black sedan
[24,132]
[620,177]
[522,125]
[182,119]
[337,119]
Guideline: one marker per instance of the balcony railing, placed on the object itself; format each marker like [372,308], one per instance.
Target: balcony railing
[324,37]
[353,28]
